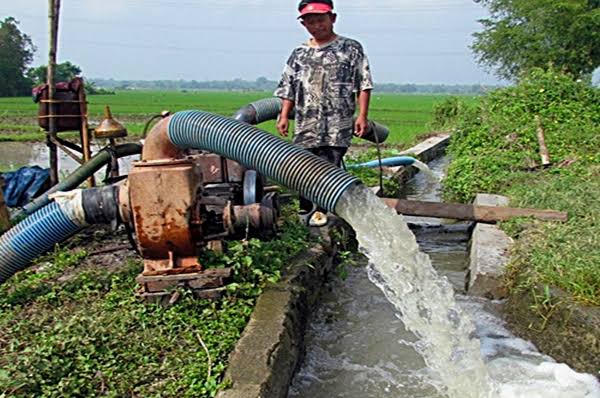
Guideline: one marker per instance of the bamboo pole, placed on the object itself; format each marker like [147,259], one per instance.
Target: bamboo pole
[53,15]
[542,141]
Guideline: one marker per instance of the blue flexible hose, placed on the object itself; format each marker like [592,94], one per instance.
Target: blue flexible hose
[387,162]
[34,236]
[314,178]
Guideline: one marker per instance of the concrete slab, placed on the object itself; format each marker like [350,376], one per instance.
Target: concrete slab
[486,199]
[429,149]
[426,151]
[488,254]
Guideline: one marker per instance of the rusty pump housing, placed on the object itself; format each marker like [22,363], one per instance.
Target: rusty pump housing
[178,203]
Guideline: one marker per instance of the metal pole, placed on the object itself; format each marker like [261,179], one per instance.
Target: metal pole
[53,14]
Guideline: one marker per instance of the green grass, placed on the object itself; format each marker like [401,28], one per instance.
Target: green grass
[407,116]
[71,327]
[495,150]
[565,255]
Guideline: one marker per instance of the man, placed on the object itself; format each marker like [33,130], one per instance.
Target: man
[322,80]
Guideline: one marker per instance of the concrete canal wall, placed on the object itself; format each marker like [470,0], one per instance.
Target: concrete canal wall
[488,254]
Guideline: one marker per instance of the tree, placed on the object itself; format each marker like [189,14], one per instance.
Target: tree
[16,53]
[64,72]
[525,34]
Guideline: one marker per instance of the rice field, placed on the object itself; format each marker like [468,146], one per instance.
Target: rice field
[407,116]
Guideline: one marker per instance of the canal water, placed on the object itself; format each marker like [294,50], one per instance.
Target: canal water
[14,155]
[394,329]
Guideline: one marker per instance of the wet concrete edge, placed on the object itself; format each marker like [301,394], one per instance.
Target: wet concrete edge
[488,254]
[263,361]
[425,151]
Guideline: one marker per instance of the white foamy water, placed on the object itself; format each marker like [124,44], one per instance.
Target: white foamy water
[460,364]
[515,365]
[426,170]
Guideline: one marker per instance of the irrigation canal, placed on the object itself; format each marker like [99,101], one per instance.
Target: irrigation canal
[357,343]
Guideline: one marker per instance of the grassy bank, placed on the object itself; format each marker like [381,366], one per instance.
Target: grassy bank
[495,150]
[72,325]
[407,116]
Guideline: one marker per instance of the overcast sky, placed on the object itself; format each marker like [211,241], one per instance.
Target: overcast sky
[407,41]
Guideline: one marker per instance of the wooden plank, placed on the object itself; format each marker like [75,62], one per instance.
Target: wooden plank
[159,286]
[458,211]
[206,274]
[206,283]
[4,215]
[209,294]
[166,298]
[198,283]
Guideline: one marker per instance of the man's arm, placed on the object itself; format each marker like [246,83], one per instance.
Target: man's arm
[361,124]
[283,123]
[286,90]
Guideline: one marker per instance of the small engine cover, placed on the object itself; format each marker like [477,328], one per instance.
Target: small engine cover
[162,196]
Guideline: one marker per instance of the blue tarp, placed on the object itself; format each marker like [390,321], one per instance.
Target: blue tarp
[23,185]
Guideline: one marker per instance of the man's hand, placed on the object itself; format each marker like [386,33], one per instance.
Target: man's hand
[283,125]
[360,126]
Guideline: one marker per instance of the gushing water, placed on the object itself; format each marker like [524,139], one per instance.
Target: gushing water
[460,365]
[425,301]
[425,169]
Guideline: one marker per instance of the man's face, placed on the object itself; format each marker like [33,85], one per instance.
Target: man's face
[320,26]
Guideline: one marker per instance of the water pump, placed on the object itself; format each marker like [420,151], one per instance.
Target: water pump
[178,206]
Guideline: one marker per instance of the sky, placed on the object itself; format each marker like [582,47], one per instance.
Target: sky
[407,41]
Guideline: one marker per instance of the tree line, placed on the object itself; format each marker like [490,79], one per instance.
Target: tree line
[16,54]
[264,84]
[518,36]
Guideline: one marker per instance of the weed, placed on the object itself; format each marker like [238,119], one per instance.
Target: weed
[495,150]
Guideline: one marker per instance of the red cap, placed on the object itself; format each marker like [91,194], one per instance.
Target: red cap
[315,8]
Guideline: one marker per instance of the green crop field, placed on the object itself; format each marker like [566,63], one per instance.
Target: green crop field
[407,116]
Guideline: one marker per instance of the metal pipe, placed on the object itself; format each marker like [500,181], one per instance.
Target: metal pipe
[158,145]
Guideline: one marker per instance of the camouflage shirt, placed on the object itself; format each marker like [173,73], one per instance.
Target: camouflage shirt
[323,83]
